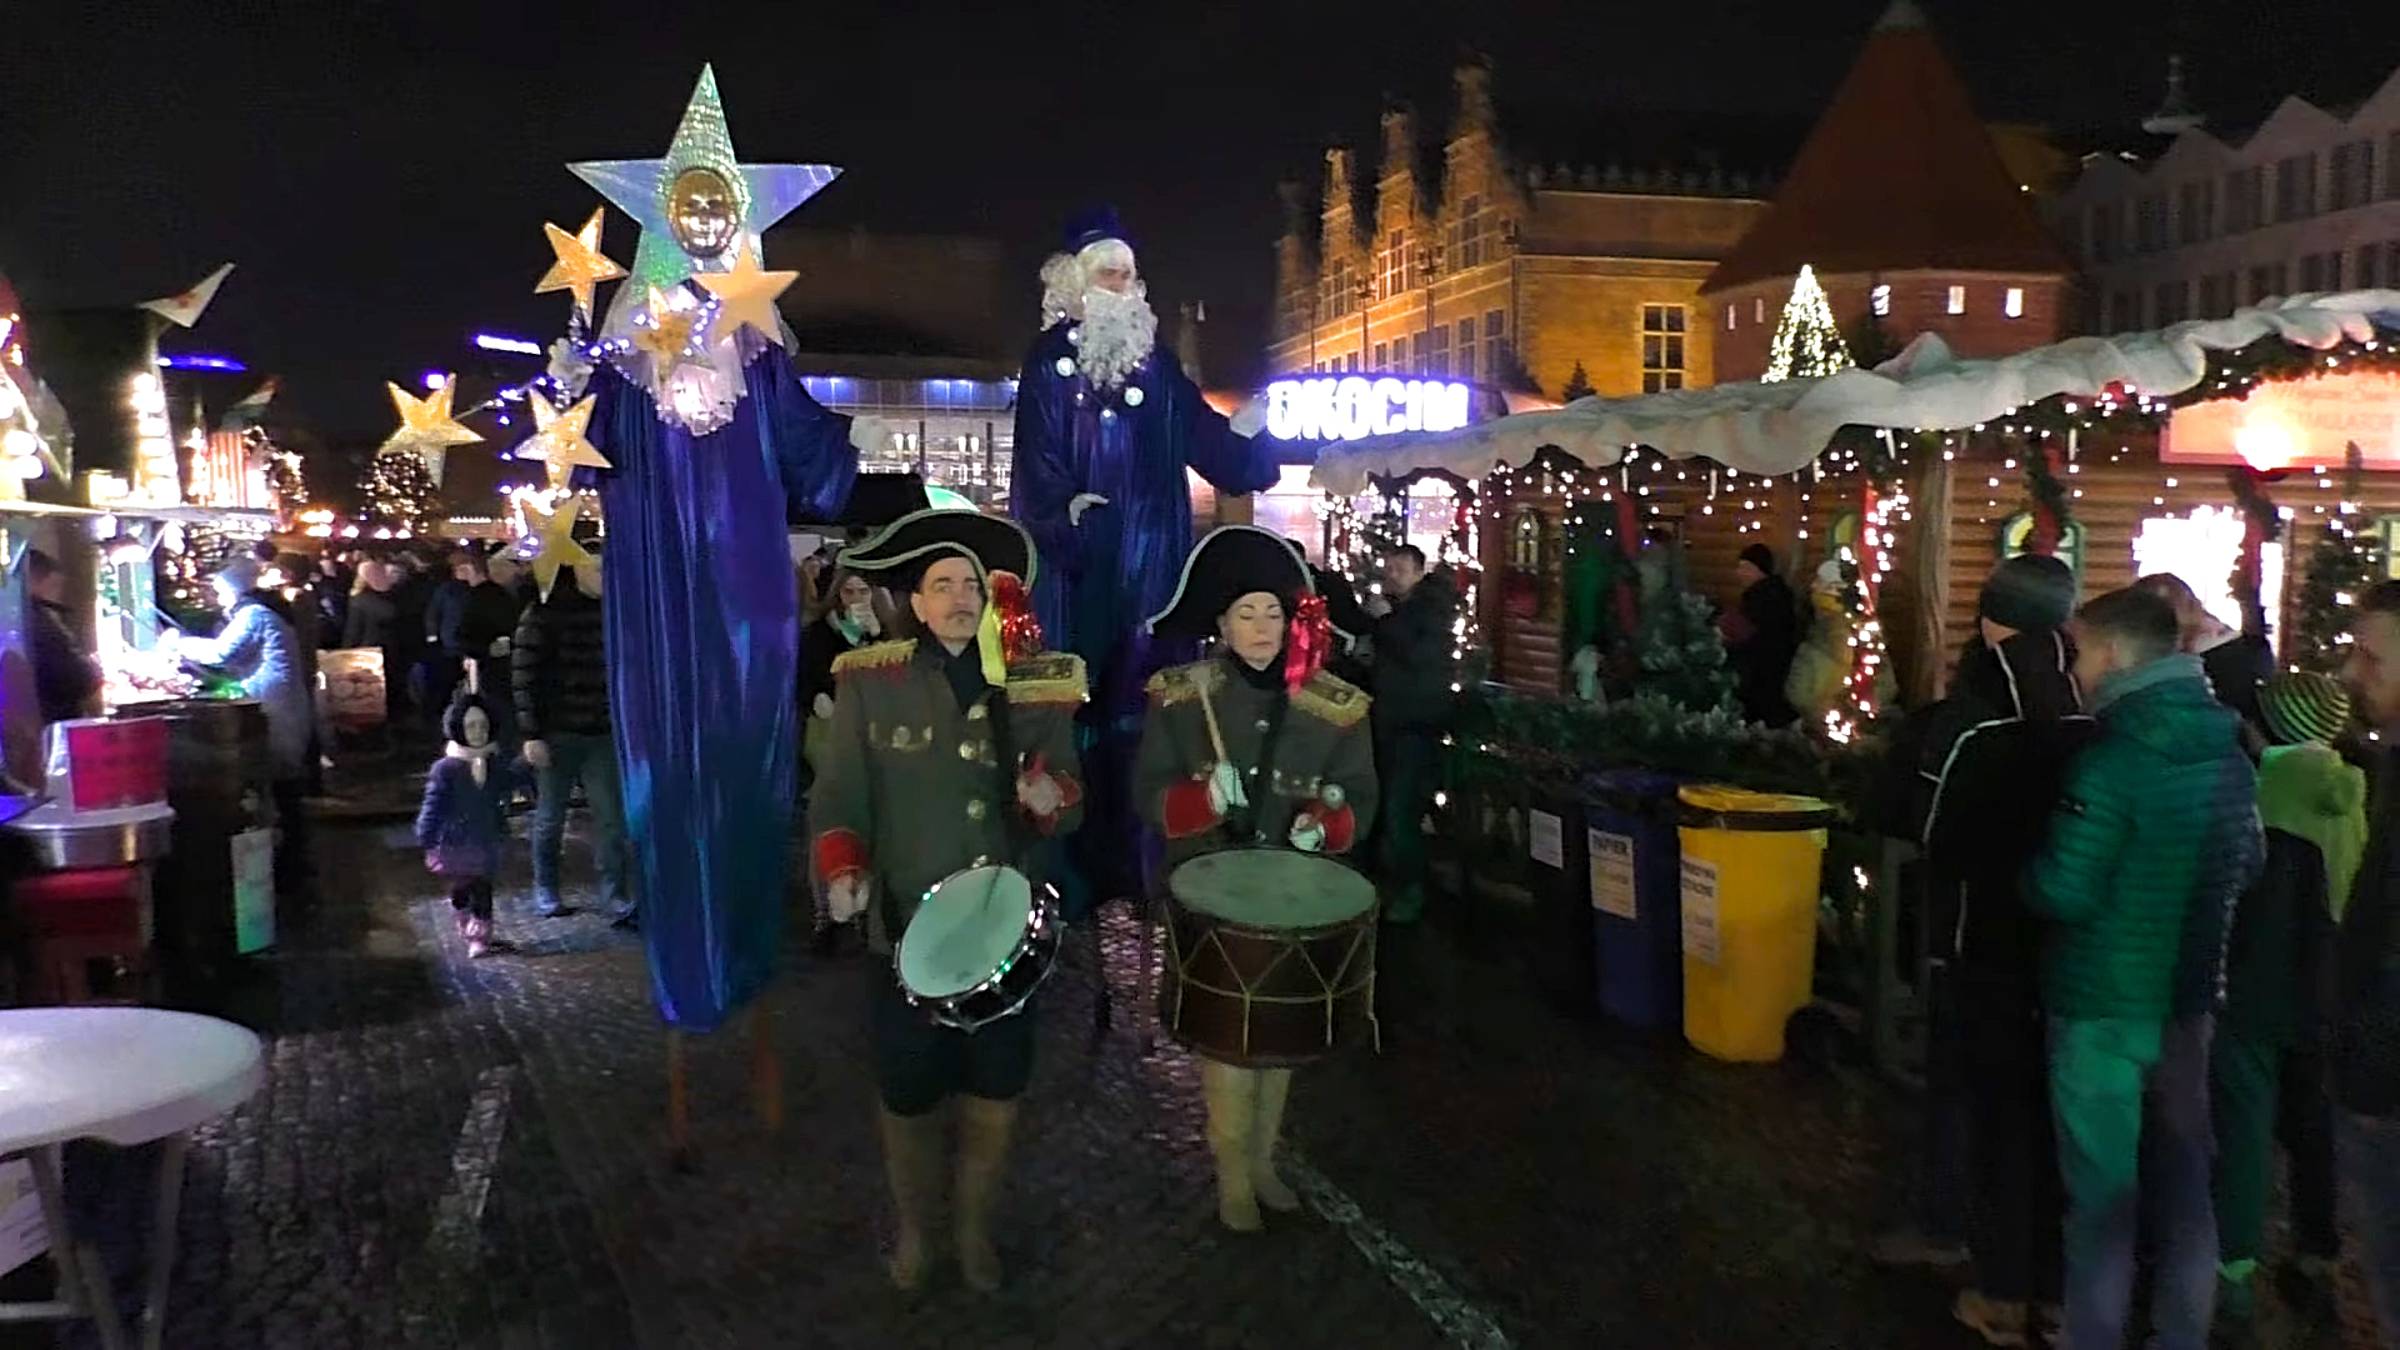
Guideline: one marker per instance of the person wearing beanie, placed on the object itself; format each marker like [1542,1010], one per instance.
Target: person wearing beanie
[1991,755]
[463,818]
[1761,635]
[258,649]
[2267,1077]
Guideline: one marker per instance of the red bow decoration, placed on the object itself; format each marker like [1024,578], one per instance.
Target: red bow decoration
[1310,643]
[1020,631]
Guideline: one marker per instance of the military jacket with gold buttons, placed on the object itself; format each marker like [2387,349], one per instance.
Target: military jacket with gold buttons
[1324,743]
[912,786]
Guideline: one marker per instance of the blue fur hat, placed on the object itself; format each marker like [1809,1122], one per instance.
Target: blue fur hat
[1091,225]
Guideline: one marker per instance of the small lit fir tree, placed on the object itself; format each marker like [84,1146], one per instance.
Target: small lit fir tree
[1807,343]
[400,491]
[2342,564]
[1681,652]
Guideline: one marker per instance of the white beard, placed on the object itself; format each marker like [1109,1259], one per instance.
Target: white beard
[1118,333]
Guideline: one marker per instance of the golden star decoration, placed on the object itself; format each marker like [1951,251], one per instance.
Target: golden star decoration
[559,549]
[426,426]
[580,265]
[746,295]
[668,335]
[558,438]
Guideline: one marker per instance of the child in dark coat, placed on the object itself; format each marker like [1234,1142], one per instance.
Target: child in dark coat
[463,819]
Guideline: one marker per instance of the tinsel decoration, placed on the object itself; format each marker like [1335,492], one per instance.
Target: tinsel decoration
[2048,496]
[1020,631]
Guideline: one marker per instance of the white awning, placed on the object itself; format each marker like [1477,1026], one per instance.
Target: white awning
[1777,428]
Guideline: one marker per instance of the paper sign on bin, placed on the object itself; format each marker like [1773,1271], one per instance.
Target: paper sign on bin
[1701,939]
[1612,873]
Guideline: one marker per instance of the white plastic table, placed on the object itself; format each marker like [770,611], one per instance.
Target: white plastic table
[127,1076]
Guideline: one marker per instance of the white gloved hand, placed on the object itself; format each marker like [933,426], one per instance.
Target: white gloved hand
[1082,502]
[500,646]
[1250,419]
[1039,794]
[1308,832]
[846,898]
[537,754]
[823,706]
[1225,788]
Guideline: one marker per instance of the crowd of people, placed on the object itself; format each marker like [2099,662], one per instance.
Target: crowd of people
[2161,939]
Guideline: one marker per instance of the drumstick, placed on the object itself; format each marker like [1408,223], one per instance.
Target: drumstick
[1208,710]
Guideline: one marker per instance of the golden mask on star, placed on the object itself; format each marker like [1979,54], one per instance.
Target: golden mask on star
[702,212]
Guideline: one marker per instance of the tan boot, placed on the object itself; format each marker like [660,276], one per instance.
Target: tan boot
[1274,1088]
[1232,1095]
[983,1131]
[912,1160]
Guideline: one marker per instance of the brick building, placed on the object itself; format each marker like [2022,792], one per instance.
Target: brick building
[1903,203]
[1509,268]
[2309,200]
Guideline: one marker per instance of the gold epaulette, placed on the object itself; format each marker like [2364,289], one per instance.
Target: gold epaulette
[1175,684]
[1048,677]
[1329,698]
[878,656]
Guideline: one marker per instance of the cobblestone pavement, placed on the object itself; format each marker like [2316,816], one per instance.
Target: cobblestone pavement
[469,1154]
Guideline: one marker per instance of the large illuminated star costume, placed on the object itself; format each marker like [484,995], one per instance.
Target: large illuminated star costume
[1130,443]
[710,440]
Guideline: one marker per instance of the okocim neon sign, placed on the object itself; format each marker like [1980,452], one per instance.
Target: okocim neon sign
[1354,407]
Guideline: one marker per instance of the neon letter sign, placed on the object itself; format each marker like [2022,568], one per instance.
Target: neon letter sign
[1355,407]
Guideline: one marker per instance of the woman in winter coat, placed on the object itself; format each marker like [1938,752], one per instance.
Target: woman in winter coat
[854,619]
[463,818]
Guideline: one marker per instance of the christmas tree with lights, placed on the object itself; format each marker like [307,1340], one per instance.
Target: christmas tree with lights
[2341,566]
[400,492]
[1808,343]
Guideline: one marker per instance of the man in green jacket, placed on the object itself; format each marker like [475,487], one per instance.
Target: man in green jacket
[2156,833]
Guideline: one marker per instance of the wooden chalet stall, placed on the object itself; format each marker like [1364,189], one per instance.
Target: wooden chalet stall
[1947,450]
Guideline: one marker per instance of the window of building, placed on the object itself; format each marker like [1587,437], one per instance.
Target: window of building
[2350,175]
[2391,166]
[1958,300]
[2259,281]
[2174,302]
[2195,211]
[1383,356]
[1350,362]
[1729,318]
[1470,232]
[1465,364]
[1880,299]
[1758,310]
[2369,274]
[2012,302]
[2104,233]
[1662,347]
[2296,187]
[2150,223]
[1399,354]
[2333,270]
[2312,272]
[2125,311]
[1433,350]
[1395,265]
[1495,345]
[2242,199]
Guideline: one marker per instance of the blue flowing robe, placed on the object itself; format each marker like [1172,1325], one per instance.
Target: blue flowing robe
[703,629]
[1099,581]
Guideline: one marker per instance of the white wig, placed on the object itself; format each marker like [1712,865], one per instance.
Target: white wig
[1062,288]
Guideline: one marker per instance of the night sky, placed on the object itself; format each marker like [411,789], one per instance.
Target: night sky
[381,172]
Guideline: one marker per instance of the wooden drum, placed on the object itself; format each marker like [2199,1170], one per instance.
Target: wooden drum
[1270,956]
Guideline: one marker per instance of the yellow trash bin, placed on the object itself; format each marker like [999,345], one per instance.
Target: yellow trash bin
[1749,891]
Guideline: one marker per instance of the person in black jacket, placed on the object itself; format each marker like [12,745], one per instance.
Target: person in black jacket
[558,667]
[1761,636]
[1991,756]
[66,681]
[2236,662]
[1414,671]
[2366,1025]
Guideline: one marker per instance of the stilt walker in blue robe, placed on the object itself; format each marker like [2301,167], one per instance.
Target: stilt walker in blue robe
[710,440]
[1107,423]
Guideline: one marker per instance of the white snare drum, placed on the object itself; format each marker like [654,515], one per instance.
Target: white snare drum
[982,941]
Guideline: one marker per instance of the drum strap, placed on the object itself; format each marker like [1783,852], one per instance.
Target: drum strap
[1241,824]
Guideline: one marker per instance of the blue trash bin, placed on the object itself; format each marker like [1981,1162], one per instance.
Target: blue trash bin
[1634,858]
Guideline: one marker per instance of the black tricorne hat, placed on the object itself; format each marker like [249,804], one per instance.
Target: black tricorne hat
[1231,562]
[900,552]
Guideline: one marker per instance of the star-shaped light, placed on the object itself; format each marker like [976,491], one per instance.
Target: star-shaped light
[426,426]
[558,438]
[558,548]
[668,335]
[580,265]
[746,295]
[765,192]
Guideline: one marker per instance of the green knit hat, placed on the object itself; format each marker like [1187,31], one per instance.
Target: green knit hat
[2303,706]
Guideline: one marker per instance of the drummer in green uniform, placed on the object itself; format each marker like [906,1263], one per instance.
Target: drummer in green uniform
[1255,745]
[944,752]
